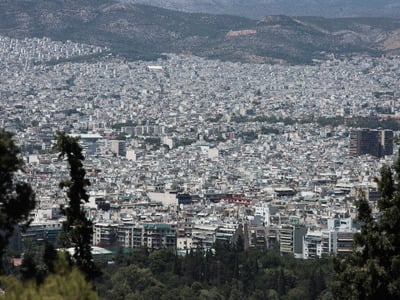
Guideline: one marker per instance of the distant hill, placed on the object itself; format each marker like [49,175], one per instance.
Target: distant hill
[257,9]
[145,32]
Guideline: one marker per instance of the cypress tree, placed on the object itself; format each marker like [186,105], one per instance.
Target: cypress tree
[77,228]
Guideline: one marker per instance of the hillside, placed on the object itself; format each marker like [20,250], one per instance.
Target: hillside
[143,32]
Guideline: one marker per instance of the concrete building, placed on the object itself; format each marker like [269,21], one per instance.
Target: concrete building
[166,198]
[291,239]
[105,234]
[377,143]
[316,244]
[150,235]
[342,242]
[118,147]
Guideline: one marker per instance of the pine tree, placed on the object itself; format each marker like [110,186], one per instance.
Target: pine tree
[77,228]
[372,271]
[16,198]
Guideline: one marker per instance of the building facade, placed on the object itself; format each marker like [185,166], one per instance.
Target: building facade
[374,142]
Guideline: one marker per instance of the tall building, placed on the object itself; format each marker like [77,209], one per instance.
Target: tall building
[118,147]
[371,141]
[386,142]
[291,239]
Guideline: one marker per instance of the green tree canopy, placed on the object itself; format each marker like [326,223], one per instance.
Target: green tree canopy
[16,198]
[372,271]
[66,283]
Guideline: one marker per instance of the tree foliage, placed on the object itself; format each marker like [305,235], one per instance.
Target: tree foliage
[65,283]
[373,269]
[77,228]
[229,272]
[16,198]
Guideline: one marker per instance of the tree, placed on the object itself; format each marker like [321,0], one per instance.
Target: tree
[16,198]
[66,283]
[131,280]
[77,228]
[28,267]
[372,271]
[316,283]
[49,256]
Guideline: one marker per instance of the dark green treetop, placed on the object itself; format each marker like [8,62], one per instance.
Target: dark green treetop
[77,228]
[372,271]
[16,198]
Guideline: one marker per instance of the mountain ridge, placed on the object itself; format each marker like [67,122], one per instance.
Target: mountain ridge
[138,31]
[256,9]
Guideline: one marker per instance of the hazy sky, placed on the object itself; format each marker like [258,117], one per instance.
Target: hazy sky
[259,8]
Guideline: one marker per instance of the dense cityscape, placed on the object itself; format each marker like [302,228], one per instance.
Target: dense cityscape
[203,148]
[184,151]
